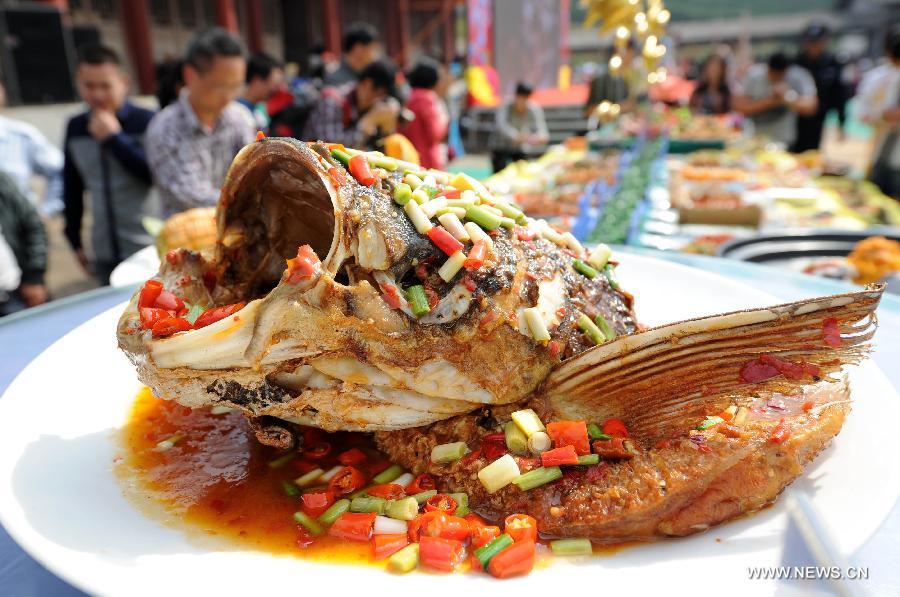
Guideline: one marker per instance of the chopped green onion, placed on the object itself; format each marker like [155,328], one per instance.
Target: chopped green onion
[219,409]
[499,473]
[309,478]
[589,459]
[388,474]
[429,189]
[422,497]
[450,221]
[365,503]
[404,560]
[459,212]
[709,422]
[732,410]
[486,552]
[538,477]
[282,460]
[462,503]
[463,182]
[510,211]
[594,432]
[571,547]
[308,523]
[741,415]
[528,421]
[418,302]
[516,440]
[604,326]
[389,526]
[590,328]
[404,479]
[477,234]
[463,201]
[290,489]
[573,243]
[420,196]
[380,161]
[431,207]
[419,220]
[168,443]
[599,256]
[193,312]
[402,193]
[413,181]
[451,267]
[610,274]
[403,509]
[483,217]
[331,473]
[341,156]
[443,453]
[507,222]
[314,488]
[536,325]
[334,511]
[583,268]
[538,443]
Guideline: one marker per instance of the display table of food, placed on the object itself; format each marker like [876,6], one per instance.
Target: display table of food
[24,336]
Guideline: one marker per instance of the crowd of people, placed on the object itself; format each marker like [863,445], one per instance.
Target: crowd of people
[134,162]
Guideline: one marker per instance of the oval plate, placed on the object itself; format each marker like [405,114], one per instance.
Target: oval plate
[60,500]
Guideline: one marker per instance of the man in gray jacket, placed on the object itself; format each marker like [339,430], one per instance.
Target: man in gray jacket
[104,155]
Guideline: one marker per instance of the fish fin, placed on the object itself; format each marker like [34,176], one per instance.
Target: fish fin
[657,379]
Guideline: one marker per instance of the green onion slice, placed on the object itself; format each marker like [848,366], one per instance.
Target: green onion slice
[538,477]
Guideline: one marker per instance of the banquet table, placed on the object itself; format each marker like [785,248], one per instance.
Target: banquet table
[25,335]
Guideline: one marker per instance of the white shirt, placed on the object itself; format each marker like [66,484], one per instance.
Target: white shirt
[24,152]
[879,91]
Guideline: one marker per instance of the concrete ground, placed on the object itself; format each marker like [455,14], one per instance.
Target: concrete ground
[66,277]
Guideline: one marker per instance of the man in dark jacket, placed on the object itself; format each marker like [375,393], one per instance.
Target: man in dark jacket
[21,228]
[826,70]
[104,154]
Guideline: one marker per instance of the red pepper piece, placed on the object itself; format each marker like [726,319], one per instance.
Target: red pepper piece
[170,325]
[444,240]
[359,168]
[475,258]
[304,265]
[559,456]
[211,316]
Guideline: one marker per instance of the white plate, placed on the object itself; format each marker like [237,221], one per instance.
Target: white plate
[136,268]
[60,500]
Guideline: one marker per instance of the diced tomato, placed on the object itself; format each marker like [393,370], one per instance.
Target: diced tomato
[356,526]
[553,347]
[450,193]
[441,554]
[348,480]
[516,559]
[570,433]
[438,524]
[523,233]
[260,135]
[808,405]
[423,482]
[304,265]
[387,491]
[444,240]
[483,534]
[780,433]
[384,546]
[831,332]
[520,527]
[487,318]
[359,168]
[559,456]
[210,316]
[167,300]
[477,254]
[725,415]
[352,457]
[493,446]
[442,503]
[469,283]
[172,257]
[391,296]
[317,451]
[314,504]
[149,292]
[170,325]
[151,315]
[615,428]
[337,176]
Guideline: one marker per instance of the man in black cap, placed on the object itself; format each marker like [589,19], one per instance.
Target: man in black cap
[826,70]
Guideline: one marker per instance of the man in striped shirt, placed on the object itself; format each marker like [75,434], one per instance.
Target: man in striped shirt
[191,143]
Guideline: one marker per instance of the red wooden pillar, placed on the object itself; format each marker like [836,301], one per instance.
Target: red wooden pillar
[137,35]
[226,16]
[401,32]
[331,26]
[447,28]
[254,24]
